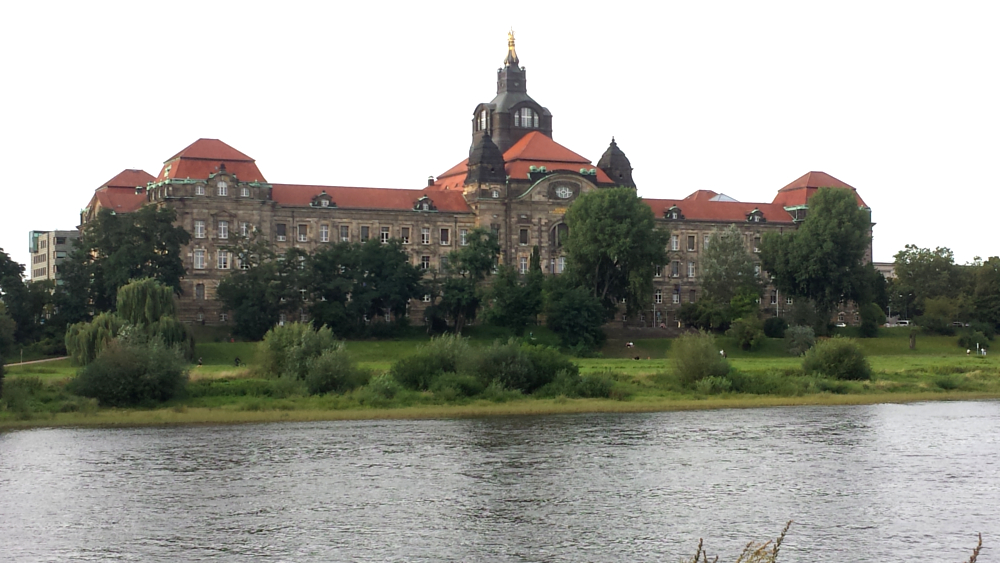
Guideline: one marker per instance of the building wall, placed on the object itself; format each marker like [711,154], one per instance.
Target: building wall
[48,249]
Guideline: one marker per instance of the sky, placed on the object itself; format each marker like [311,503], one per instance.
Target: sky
[898,99]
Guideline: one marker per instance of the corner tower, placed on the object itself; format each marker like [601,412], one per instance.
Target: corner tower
[512,114]
[616,165]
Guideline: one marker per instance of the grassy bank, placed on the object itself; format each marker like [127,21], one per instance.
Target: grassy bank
[220,392]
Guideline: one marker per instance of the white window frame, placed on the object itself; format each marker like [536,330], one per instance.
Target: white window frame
[244,229]
[345,233]
[303,232]
[324,233]
[222,189]
[658,271]
[199,229]
[675,243]
[523,264]
[222,260]
[199,259]
[199,190]
[463,237]
[404,234]
[425,262]
[425,235]
[691,269]
[245,191]
[658,296]
[223,229]
[676,298]
[444,235]
[384,234]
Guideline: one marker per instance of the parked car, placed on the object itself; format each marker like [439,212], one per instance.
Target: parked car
[841,325]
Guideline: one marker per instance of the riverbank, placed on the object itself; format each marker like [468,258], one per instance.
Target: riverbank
[286,411]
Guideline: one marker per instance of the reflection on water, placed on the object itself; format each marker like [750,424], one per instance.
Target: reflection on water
[867,483]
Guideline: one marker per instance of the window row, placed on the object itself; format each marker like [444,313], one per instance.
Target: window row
[222,189]
[221,229]
[675,270]
[223,260]
[691,242]
[675,297]
[365,233]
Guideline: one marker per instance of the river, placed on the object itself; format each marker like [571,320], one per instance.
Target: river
[862,483]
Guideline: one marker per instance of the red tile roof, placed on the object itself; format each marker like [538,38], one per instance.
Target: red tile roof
[803,188]
[130,178]
[534,149]
[203,157]
[120,200]
[700,209]
[368,198]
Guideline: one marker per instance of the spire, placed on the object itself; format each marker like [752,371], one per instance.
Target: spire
[616,165]
[511,59]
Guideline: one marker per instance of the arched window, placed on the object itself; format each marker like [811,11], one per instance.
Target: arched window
[526,117]
[482,120]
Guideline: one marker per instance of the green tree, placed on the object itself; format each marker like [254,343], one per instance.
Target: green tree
[822,260]
[466,271]
[574,314]
[872,317]
[8,330]
[514,302]
[15,295]
[613,246]
[728,269]
[116,248]
[385,281]
[986,296]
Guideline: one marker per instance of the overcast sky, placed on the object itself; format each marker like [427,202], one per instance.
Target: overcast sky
[898,99]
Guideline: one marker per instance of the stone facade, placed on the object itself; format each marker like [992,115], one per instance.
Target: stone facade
[517,181]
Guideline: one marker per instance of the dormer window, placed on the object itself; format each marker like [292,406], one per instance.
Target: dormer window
[482,120]
[526,117]
[424,204]
[322,200]
[673,214]
[223,188]
[324,203]
[756,216]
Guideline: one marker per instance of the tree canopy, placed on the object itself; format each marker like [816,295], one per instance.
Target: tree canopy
[727,267]
[613,246]
[822,259]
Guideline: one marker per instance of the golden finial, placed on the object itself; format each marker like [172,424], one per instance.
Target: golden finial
[511,58]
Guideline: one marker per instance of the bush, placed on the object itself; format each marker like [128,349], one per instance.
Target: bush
[595,386]
[696,357]
[129,374]
[872,317]
[935,324]
[774,327]
[520,367]
[766,383]
[453,385]
[748,332]
[332,372]
[973,340]
[287,350]
[799,339]
[839,358]
[441,355]
[713,384]
[382,387]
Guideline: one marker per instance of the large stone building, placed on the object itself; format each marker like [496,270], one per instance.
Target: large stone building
[517,181]
[48,249]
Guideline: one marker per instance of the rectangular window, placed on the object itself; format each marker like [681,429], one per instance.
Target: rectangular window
[404,233]
[445,236]
[223,262]
[303,233]
[364,233]
[243,264]
[223,229]
[523,237]
[690,269]
[223,317]
[279,230]
[756,270]
[788,301]
[676,297]
[425,262]
[443,261]
[245,191]
[425,235]
[199,190]
[345,233]
[383,235]
[774,298]
[691,243]
[463,237]
[427,298]
[523,265]
[658,272]
[199,229]
[324,233]
[561,265]
[199,259]
[199,291]
[675,269]
[222,188]
[705,244]
[691,296]
[756,244]
[658,296]
[244,229]
[675,242]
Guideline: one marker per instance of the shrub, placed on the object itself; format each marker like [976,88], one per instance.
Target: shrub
[453,385]
[595,386]
[382,387]
[332,371]
[872,317]
[713,384]
[839,358]
[774,327]
[1,376]
[766,383]
[127,374]
[748,332]
[287,350]
[520,367]
[696,357]
[799,339]
[441,355]
[973,340]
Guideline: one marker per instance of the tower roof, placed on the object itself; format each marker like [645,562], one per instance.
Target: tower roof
[803,188]
[203,158]
[511,58]
[616,165]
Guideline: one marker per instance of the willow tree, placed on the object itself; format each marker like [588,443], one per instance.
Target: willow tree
[145,310]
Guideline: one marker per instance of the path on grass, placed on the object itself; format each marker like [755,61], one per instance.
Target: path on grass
[39,361]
